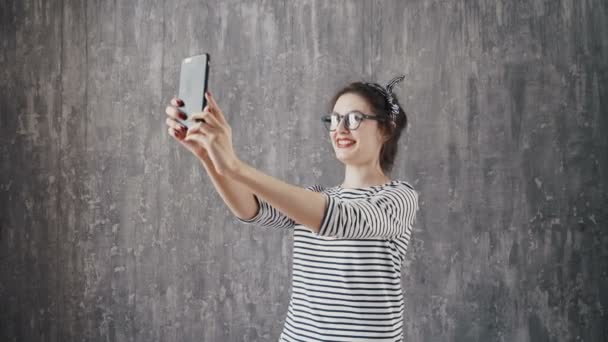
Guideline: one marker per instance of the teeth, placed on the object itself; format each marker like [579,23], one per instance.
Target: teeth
[345,142]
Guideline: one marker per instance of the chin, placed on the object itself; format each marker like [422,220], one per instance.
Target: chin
[345,155]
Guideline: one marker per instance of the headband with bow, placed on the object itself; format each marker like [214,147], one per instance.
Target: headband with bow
[388,94]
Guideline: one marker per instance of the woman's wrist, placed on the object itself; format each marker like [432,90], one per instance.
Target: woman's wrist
[205,160]
[236,169]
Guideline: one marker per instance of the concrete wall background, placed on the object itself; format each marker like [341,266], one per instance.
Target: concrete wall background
[109,231]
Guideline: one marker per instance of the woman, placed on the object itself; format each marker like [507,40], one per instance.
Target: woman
[350,239]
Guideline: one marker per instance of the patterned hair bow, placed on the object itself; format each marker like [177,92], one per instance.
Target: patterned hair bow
[388,94]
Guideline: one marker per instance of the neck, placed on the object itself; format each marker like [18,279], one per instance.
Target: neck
[358,176]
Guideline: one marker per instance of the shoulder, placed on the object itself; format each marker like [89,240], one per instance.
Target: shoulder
[401,189]
[404,193]
[316,188]
[399,185]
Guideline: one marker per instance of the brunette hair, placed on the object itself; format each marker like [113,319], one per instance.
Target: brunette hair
[380,106]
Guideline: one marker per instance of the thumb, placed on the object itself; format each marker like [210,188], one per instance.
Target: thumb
[192,142]
[193,145]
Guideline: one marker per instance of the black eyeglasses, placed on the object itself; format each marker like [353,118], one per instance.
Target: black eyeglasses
[353,120]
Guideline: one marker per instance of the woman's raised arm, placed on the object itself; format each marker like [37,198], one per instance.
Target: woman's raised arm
[236,196]
[240,200]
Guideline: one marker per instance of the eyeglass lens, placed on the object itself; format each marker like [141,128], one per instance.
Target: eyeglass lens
[351,122]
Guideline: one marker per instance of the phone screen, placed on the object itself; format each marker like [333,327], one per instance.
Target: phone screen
[193,79]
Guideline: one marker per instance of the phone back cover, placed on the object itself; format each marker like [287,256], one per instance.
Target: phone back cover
[192,84]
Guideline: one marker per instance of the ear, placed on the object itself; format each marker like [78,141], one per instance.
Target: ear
[385,138]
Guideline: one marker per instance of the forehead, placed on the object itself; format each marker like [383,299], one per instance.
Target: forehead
[349,102]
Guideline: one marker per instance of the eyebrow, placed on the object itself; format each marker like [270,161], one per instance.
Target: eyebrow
[354,110]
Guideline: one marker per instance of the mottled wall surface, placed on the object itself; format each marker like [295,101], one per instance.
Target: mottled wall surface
[109,231]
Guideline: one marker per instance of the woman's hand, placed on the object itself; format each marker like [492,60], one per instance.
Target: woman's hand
[215,136]
[178,131]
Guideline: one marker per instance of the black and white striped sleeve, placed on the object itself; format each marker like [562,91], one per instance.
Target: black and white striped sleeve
[389,213]
[270,217]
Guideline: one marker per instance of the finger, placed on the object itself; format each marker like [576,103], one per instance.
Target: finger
[202,129]
[212,121]
[198,128]
[215,107]
[196,138]
[175,113]
[175,134]
[176,125]
[176,101]
[208,118]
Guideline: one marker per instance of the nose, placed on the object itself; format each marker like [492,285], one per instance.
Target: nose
[342,125]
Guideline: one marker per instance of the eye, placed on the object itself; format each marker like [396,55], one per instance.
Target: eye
[355,116]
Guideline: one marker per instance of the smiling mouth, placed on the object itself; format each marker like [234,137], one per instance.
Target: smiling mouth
[341,144]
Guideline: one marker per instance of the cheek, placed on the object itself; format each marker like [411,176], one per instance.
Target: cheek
[369,139]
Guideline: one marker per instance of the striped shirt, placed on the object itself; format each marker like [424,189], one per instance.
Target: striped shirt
[346,281]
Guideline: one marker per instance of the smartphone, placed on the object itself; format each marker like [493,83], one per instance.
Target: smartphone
[193,81]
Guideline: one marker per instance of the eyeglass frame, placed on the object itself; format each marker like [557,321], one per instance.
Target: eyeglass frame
[341,117]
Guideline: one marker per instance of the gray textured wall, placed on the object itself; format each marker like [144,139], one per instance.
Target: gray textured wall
[111,232]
